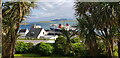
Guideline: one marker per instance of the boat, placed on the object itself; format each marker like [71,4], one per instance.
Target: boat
[60,26]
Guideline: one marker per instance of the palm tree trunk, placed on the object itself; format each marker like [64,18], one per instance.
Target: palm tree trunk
[93,48]
[111,41]
[109,49]
[13,46]
[6,49]
[8,44]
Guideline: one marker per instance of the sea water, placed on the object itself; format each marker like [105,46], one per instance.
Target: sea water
[46,25]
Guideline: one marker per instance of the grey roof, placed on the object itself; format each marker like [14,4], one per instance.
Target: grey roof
[34,32]
[22,30]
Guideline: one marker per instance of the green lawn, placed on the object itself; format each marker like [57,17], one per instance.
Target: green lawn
[38,56]
[27,55]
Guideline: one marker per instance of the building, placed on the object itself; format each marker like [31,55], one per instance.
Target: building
[49,37]
[36,32]
[52,34]
[23,33]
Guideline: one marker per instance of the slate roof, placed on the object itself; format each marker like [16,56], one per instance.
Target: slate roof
[22,30]
[34,32]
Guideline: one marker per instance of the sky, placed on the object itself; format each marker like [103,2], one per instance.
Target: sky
[46,11]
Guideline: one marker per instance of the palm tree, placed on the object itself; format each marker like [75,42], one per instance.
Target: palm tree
[86,26]
[13,14]
[67,35]
[107,23]
[102,18]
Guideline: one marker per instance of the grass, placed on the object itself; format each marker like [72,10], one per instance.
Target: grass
[38,56]
[27,55]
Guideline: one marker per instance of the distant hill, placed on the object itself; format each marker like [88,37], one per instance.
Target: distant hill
[24,23]
[60,19]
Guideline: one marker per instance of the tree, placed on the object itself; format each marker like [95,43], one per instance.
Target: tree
[63,43]
[101,18]
[86,26]
[107,23]
[13,14]
[67,35]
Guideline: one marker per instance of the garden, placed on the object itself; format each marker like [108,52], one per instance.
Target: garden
[97,32]
[60,48]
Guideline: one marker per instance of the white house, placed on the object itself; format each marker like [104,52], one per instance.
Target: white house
[49,37]
[36,32]
[23,33]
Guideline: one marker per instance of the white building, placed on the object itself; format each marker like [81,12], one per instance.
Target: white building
[23,33]
[36,32]
[49,37]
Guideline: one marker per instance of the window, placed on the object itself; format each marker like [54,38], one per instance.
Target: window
[32,33]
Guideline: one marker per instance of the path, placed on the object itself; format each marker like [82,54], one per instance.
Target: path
[37,41]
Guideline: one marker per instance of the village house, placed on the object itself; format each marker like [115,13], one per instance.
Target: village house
[36,32]
[23,33]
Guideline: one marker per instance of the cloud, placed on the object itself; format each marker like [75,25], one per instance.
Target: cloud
[53,10]
[43,8]
[52,5]
[56,0]
[47,14]
[41,15]
[49,5]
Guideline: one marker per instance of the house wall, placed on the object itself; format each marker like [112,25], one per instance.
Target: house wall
[26,31]
[42,33]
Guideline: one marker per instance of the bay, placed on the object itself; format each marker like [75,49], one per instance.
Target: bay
[46,25]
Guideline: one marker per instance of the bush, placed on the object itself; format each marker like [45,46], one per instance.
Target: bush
[29,46]
[75,40]
[22,47]
[59,45]
[44,49]
[80,49]
[101,49]
[115,50]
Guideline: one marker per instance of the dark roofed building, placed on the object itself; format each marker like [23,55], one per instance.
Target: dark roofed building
[23,31]
[36,32]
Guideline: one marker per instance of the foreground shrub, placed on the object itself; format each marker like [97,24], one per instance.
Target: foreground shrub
[80,49]
[29,46]
[77,49]
[44,49]
[102,48]
[59,45]
[22,47]
[75,40]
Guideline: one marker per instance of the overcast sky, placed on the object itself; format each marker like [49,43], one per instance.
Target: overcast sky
[52,9]
[46,11]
